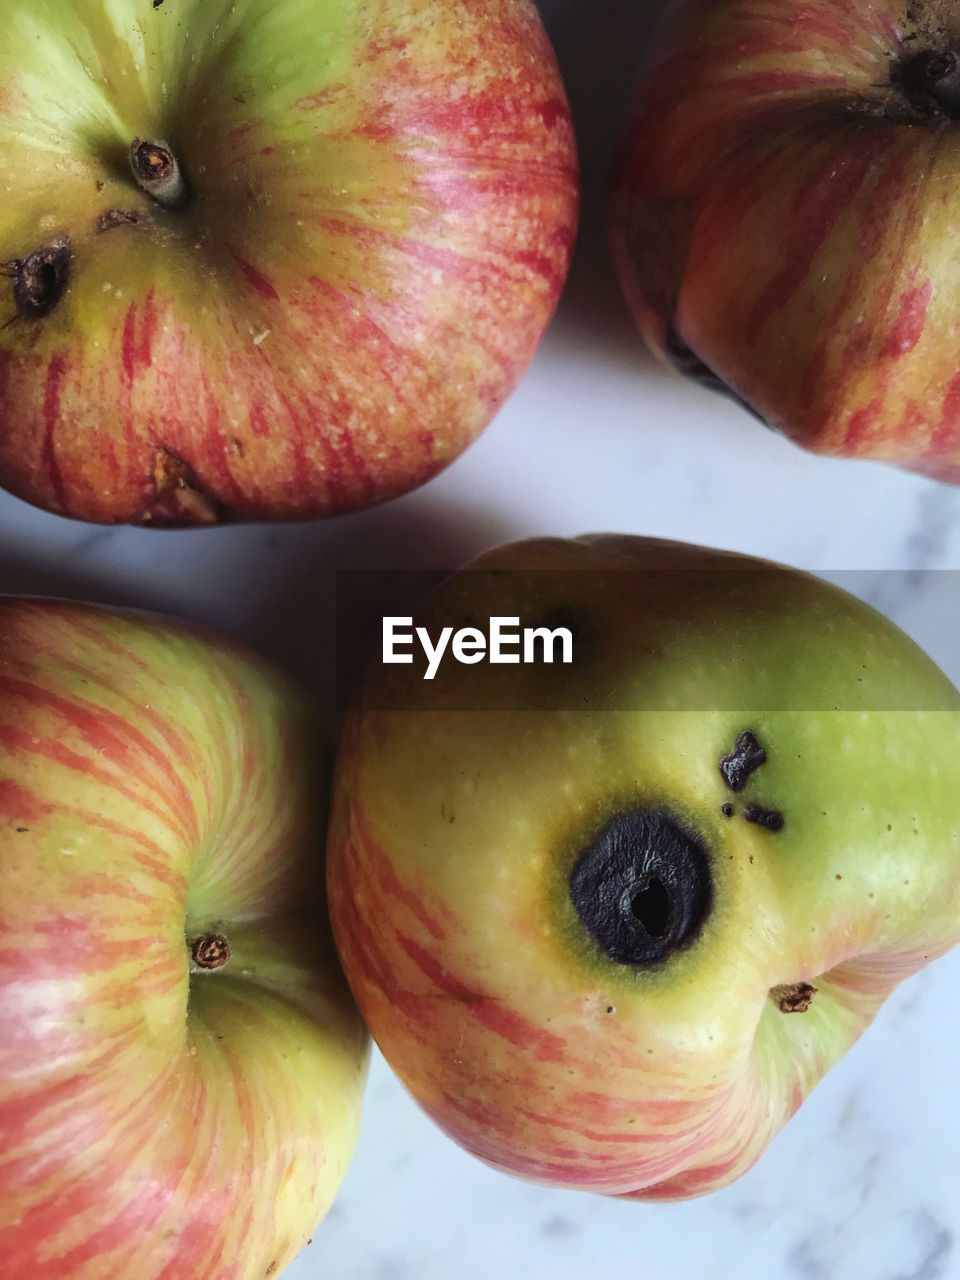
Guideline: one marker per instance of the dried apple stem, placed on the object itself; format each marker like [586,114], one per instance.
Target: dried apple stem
[158,172]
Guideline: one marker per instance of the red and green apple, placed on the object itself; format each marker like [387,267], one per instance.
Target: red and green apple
[784,211]
[269,259]
[181,1065]
[611,921]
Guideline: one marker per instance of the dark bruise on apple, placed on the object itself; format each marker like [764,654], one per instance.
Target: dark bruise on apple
[303,250]
[642,887]
[782,218]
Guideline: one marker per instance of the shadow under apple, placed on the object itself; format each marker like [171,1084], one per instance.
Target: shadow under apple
[600,48]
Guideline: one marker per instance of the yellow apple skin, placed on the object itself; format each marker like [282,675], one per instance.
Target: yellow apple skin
[160,1120]
[461,807]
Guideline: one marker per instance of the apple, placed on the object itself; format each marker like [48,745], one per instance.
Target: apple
[611,921]
[782,217]
[181,1065]
[274,259]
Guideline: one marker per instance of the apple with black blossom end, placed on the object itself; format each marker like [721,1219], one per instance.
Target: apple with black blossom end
[181,1065]
[784,214]
[269,259]
[610,922]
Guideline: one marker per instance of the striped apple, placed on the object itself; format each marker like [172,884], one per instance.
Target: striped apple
[611,922]
[269,259]
[783,217]
[181,1066]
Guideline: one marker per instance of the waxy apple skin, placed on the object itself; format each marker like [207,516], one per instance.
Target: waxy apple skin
[158,1119]
[381,206]
[783,218]
[461,808]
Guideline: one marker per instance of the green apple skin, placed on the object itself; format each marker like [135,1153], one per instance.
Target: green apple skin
[783,217]
[159,1119]
[461,807]
[382,200]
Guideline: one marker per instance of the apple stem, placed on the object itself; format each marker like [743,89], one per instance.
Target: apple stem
[158,172]
[210,951]
[793,997]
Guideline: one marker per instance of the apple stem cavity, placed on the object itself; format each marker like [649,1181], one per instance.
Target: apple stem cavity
[158,172]
[931,82]
[793,997]
[941,74]
[210,951]
[40,279]
[642,887]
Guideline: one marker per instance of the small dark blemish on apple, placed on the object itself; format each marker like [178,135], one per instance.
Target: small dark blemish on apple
[769,819]
[210,951]
[112,218]
[272,1269]
[40,279]
[157,3]
[611,1008]
[21,830]
[727,809]
[745,757]
[793,997]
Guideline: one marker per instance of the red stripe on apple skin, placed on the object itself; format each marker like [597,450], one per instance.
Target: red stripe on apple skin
[817,210]
[19,804]
[946,438]
[56,373]
[814,22]
[392,888]
[493,1013]
[136,348]
[910,322]
[255,278]
[50,749]
[110,736]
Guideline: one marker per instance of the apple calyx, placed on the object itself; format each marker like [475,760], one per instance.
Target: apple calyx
[158,173]
[210,951]
[793,997]
[40,279]
[642,886]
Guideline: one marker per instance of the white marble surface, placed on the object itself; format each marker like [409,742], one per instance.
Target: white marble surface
[865,1183]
